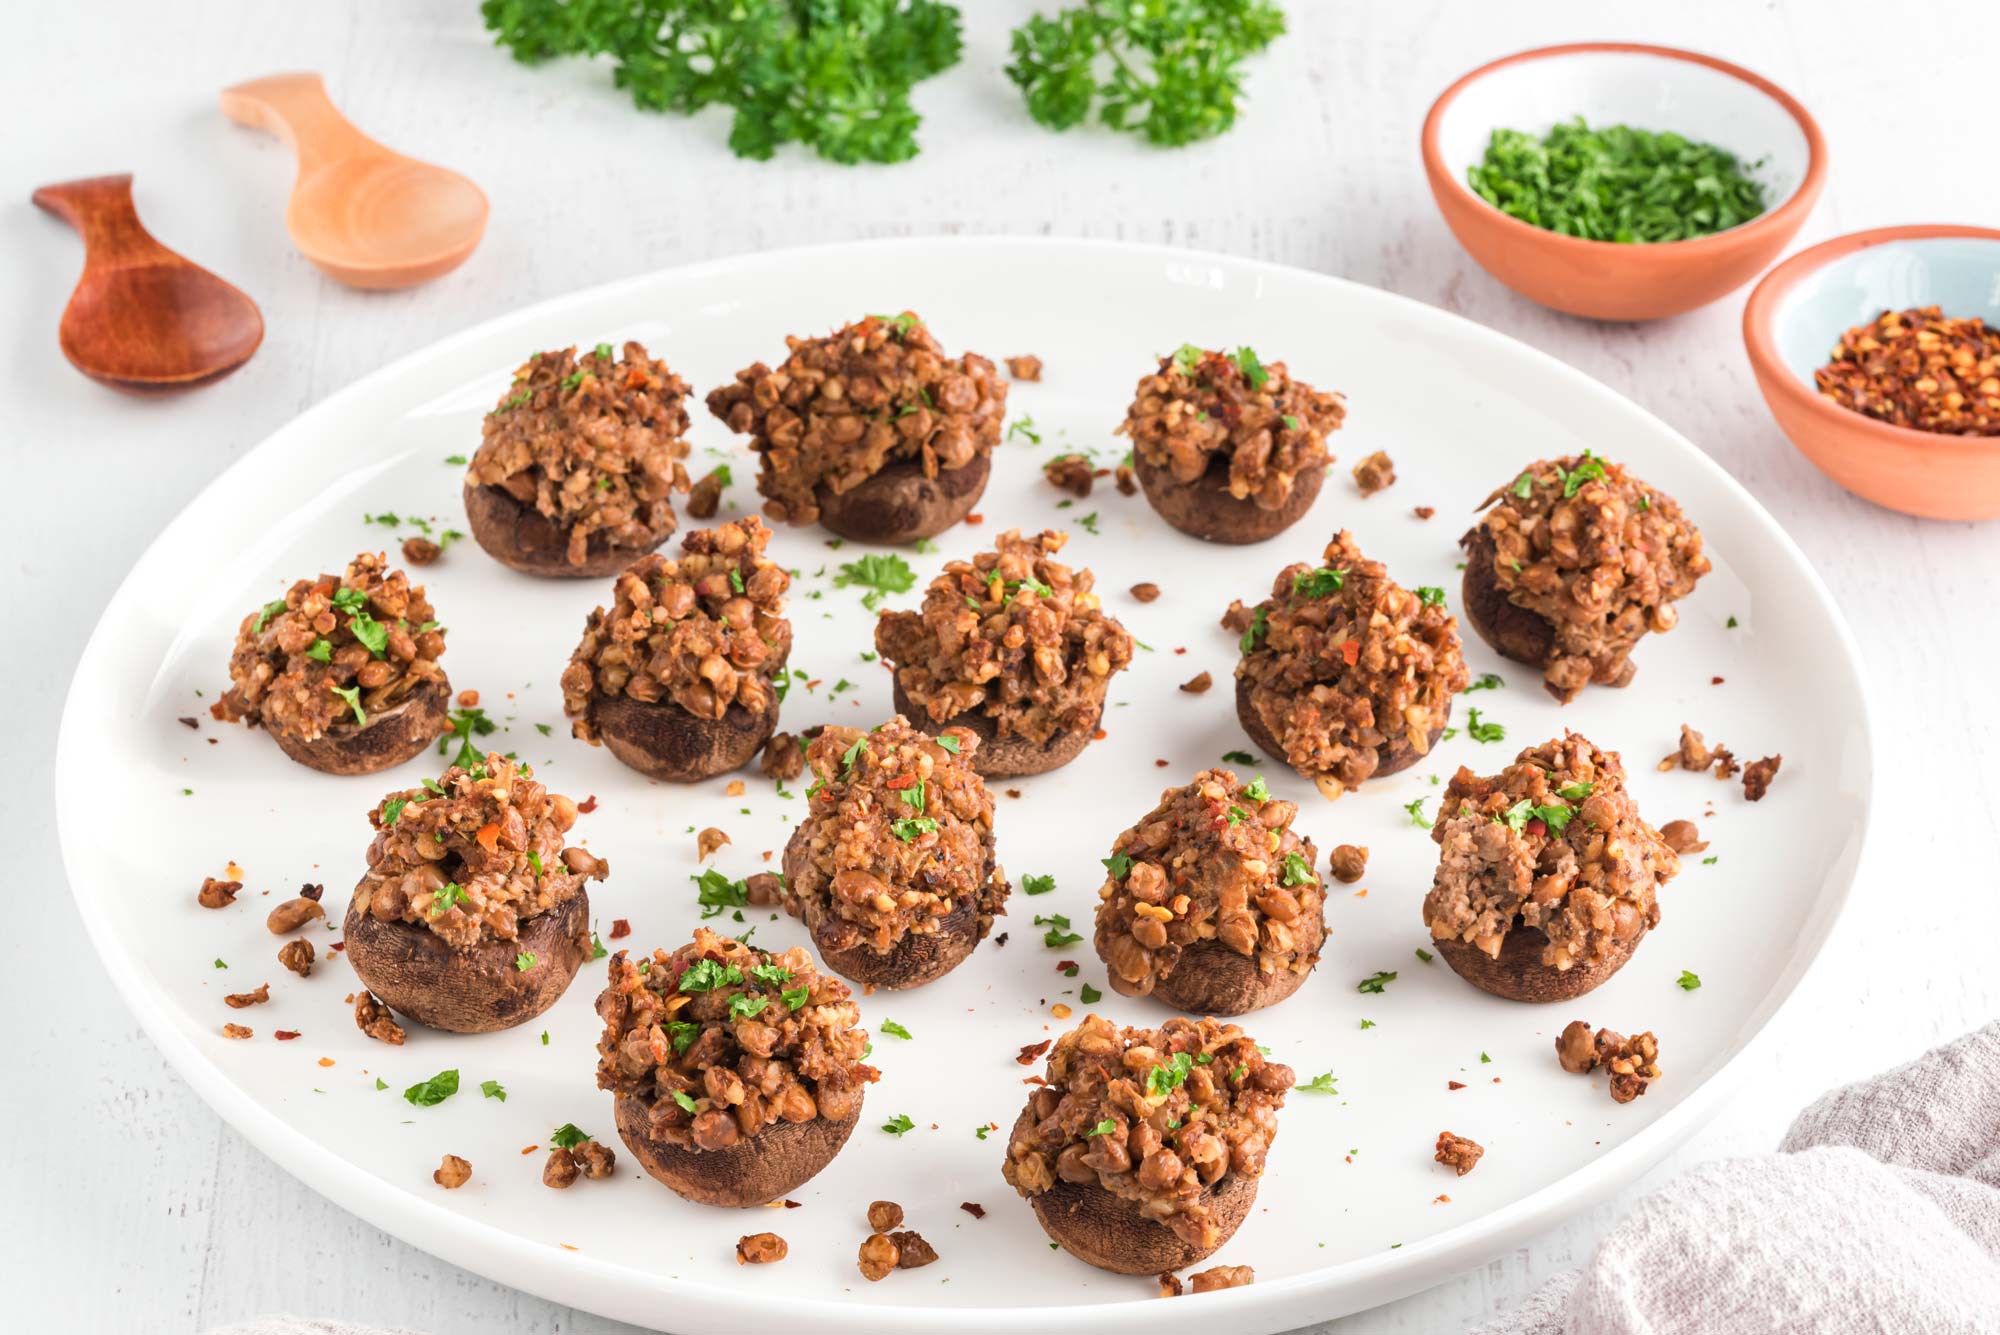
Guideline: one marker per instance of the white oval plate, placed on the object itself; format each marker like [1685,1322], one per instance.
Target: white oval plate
[1352,1211]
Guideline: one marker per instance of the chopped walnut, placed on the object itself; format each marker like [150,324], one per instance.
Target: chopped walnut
[1683,837]
[1725,764]
[452,1173]
[297,955]
[561,1170]
[238,1000]
[216,894]
[705,497]
[878,1257]
[596,1159]
[911,1249]
[372,1018]
[421,551]
[1348,862]
[1146,593]
[317,892]
[760,1249]
[783,757]
[1025,367]
[1196,685]
[1575,1048]
[763,888]
[884,1215]
[1127,480]
[1238,618]
[1633,1062]
[1070,473]
[1757,776]
[293,914]
[1221,1277]
[707,842]
[1457,1152]
[1693,754]
[236,1031]
[1375,473]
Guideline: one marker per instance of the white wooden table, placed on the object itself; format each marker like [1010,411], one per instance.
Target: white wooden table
[131,1207]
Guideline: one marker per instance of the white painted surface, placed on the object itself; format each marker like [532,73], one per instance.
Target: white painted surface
[132,1207]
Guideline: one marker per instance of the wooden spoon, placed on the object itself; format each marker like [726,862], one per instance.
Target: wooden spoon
[143,317]
[366,214]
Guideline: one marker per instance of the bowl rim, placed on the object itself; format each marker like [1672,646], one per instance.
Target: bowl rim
[1788,214]
[1760,314]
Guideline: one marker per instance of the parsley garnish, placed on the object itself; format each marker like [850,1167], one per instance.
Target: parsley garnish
[1585,471]
[686,1101]
[1252,369]
[465,725]
[1256,790]
[1089,995]
[718,892]
[1238,758]
[1059,933]
[1417,817]
[524,961]
[351,694]
[1170,1075]
[893,1029]
[1430,595]
[1255,635]
[448,894]
[392,810]
[1319,1084]
[1298,871]
[771,975]
[1688,981]
[1318,583]
[1376,982]
[493,1089]
[568,1136]
[898,1124]
[912,828]
[1118,865]
[746,1005]
[682,1034]
[1488,681]
[321,651]
[705,975]
[431,1092]
[1037,885]
[880,573]
[1103,1128]
[270,609]
[1483,732]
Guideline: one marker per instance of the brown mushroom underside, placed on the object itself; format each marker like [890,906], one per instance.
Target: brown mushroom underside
[522,538]
[1211,979]
[1519,974]
[1511,630]
[898,504]
[1003,757]
[1108,1231]
[1392,757]
[913,960]
[390,737]
[757,1170]
[1205,509]
[663,741]
[412,970]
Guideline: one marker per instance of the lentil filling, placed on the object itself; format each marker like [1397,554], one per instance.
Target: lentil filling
[702,632]
[720,1040]
[1552,842]
[1341,661]
[840,409]
[1013,634]
[593,443]
[1596,553]
[899,837]
[1157,1117]
[333,651]
[1203,410]
[474,854]
[1216,860]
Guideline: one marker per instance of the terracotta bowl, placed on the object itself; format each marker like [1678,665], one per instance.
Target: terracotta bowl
[1649,88]
[1794,320]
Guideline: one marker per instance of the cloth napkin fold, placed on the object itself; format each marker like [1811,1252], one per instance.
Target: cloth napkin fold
[1880,1212]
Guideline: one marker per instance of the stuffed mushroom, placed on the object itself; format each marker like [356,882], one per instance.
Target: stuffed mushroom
[472,915]
[737,1072]
[1142,1152]
[1211,903]
[342,671]
[577,467]
[1547,875]
[680,677]
[1575,561]
[893,869]
[1230,448]
[872,430]
[1346,675]
[1012,645]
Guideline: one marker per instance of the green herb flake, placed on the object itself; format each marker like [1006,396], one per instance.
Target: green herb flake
[1089,995]
[1688,981]
[524,961]
[1319,1084]
[894,1030]
[493,1089]
[879,573]
[431,1092]
[1483,732]
[1037,885]
[898,1124]
[1417,817]
[1059,934]
[1376,983]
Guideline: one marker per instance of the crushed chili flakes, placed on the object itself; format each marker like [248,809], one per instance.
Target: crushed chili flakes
[973,1208]
[1917,368]
[284,1035]
[1031,1051]
[620,929]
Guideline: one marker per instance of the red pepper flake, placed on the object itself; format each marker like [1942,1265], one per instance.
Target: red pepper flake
[529,1149]
[903,780]
[190,724]
[1350,652]
[588,805]
[284,1035]
[1099,735]
[973,1208]
[1031,1051]
[620,929]
[1180,649]
[1453,1084]
[1715,681]
[1066,967]
[813,685]
[975,519]
[791,1204]
[1442,1199]
[338,946]
[1160,763]
[1011,792]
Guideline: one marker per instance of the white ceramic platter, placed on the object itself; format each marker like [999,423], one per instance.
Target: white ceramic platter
[1352,1210]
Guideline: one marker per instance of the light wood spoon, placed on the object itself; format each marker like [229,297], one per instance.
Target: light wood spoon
[143,317]
[366,214]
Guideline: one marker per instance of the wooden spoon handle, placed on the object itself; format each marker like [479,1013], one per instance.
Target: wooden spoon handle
[100,209]
[295,107]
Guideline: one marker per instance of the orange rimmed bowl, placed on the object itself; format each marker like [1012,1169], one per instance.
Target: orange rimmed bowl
[1648,87]
[1794,320]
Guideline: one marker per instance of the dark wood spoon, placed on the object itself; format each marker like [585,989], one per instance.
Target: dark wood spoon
[143,317]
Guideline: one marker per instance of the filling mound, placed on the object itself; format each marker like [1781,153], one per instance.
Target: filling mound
[474,854]
[1341,661]
[1214,861]
[592,443]
[702,632]
[334,650]
[1155,1116]
[899,837]
[1013,634]
[842,408]
[720,1040]
[1552,842]
[1597,554]
[1204,409]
